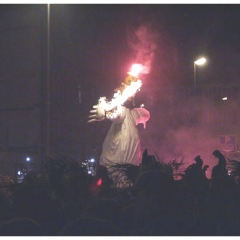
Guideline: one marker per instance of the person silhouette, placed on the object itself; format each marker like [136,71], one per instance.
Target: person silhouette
[219,169]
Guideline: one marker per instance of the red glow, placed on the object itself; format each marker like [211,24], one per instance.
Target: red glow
[95,186]
[99,182]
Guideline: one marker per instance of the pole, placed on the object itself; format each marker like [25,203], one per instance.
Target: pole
[48,97]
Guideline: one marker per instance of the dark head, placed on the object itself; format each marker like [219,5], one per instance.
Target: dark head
[198,160]
[217,153]
[205,167]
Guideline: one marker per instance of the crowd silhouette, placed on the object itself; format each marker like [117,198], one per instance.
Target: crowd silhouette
[64,200]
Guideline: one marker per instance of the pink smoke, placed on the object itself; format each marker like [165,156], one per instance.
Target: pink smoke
[144,44]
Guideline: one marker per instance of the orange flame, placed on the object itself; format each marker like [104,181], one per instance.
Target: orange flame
[121,96]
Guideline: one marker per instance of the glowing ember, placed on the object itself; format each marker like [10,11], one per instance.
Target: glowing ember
[99,182]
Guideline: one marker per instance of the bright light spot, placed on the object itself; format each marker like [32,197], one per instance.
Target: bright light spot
[92,160]
[136,69]
[224,98]
[142,105]
[19,173]
[28,159]
[200,61]
[89,172]
[229,172]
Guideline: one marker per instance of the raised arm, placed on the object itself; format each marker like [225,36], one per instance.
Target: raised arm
[97,113]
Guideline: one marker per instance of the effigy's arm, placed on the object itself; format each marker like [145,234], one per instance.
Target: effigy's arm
[103,110]
[141,115]
[98,113]
[113,109]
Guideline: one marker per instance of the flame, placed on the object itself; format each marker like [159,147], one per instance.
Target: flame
[136,69]
[121,96]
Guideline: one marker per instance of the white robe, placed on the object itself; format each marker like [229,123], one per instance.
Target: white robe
[122,143]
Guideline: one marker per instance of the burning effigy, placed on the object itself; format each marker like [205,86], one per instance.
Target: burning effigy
[122,142]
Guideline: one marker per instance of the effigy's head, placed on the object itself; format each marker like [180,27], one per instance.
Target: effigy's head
[128,89]
[130,78]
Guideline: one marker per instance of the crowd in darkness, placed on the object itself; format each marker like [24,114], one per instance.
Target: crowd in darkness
[64,200]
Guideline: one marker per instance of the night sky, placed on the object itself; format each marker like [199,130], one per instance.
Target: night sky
[180,32]
[102,41]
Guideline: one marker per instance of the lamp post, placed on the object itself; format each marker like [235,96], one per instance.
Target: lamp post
[198,62]
[48,89]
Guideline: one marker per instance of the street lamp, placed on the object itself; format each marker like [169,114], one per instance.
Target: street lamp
[198,62]
[48,95]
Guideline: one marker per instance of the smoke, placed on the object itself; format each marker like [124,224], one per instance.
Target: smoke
[143,41]
[180,126]
[185,128]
